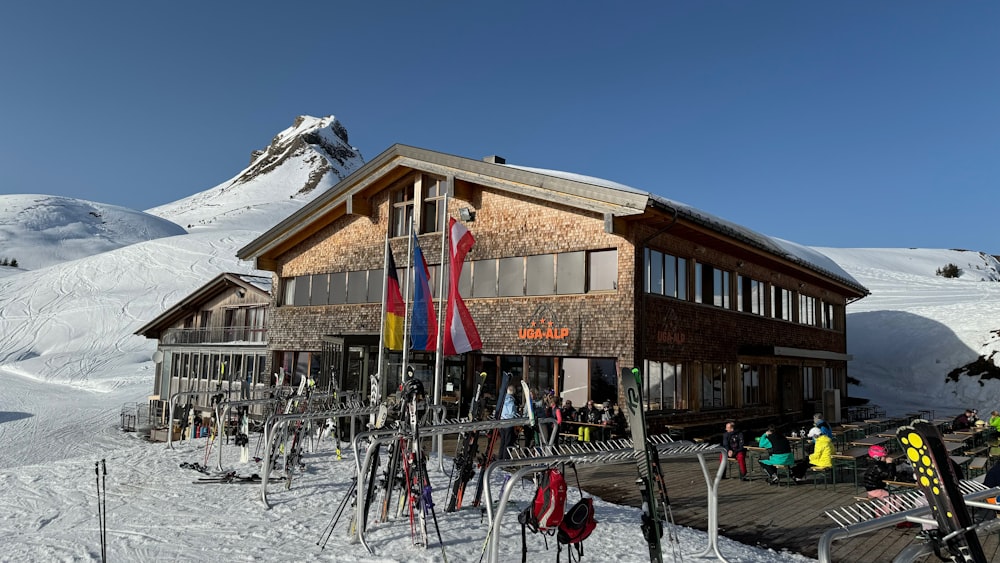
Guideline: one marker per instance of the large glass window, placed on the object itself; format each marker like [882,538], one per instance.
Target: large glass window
[603,269]
[807,310]
[711,285]
[430,215]
[665,274]
[827,310]
[713,385]
[484,278]
[810,376]
[541,275]
[750,295]
[664,386]
[301,296]
[752,393]
[781,303]
[571,274]
[511,277]
[603,380]
[357,287]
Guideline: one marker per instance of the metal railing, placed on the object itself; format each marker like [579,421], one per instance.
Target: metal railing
[214,335]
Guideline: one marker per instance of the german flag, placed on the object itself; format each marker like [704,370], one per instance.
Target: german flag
[395,308]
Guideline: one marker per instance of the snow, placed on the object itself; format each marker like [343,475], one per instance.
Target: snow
[69,360]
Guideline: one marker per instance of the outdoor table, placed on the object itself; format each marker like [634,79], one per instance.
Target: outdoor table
[800,442]
[956,437]
[877,424]
[870,441]
[595,432]
[953,447]
[850,460]
[754,454]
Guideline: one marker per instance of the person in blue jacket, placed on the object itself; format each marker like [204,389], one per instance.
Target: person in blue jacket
[508,435]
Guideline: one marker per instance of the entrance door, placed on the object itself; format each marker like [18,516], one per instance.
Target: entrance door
[789,391]
[331,364]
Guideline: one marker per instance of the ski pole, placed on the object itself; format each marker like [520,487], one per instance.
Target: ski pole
[104,511]
[100,517]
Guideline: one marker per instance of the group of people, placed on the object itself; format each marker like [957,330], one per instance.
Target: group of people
[970,418]
[552,406]
[780,450]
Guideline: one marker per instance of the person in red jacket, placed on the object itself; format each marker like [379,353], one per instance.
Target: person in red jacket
[732,440]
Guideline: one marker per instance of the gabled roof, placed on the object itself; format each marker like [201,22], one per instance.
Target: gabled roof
[191,304]
[611,199]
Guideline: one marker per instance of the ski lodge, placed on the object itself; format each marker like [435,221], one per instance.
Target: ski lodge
[571,278]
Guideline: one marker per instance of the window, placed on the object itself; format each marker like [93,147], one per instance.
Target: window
[357,287]
[484,278]
[781,304]
[711,285]
[319,293]
[809,377]
[511,277]
[713,385]
[338,288]
[571,272]
[603,269]
[664,386]
[750,295]
[301,295]
[375,282]
[540,375]
[751,385]
[430,214]
[665,274]
[830,378]
[826,310]
[541,275]
[807,310]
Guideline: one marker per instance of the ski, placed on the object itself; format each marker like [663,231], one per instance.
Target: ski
[487,456]
[955,539]
[652,523]
[236,480]
[529,409]
[465,456]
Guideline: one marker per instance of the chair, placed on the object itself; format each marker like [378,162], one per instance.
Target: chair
[784,473]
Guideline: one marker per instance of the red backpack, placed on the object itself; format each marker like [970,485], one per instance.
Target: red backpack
[546,512]
[576,526]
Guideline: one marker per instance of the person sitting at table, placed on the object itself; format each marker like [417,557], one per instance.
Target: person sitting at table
[568,410]
[821,458]
[780,453]
[732,441]
[589,413]
[962,421]
[880,469]
[994,421]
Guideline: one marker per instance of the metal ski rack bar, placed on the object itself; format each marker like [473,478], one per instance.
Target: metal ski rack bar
[385,436]
[612,452]
[222,409]
[909,506]
[282,420]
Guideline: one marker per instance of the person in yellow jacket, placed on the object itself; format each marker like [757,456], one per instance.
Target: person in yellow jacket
[822,456]
[995,420]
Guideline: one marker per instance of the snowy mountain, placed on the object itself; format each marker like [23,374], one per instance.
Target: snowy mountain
[301,162]
[41,230]
[73,321]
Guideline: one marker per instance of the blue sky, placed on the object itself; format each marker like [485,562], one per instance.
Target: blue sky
[845,124]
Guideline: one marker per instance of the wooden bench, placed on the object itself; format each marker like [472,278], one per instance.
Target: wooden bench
[978,466]
[975,452]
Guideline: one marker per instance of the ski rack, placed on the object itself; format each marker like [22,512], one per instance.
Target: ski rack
[282,420]
[170,412]
[222,409]
[526,461]
[386,436]
[909,506]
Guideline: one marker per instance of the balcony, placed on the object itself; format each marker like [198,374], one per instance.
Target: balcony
[215,335]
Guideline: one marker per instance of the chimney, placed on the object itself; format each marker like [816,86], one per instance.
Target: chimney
[494,159]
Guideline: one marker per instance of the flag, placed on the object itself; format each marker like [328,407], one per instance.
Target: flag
[423,334]
[460,334]
[395,308]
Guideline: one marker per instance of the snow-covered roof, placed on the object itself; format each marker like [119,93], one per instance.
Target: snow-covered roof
[794,252]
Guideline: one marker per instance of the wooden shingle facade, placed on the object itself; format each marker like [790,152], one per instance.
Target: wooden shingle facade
[570,279]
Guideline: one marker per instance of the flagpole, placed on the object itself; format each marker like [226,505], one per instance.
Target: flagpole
[406,301]
[380,383]
[439,355]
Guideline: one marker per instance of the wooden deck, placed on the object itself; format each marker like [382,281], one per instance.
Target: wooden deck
[755,513]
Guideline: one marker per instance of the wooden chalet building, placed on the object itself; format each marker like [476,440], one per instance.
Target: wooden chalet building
[215,338]
[571,278]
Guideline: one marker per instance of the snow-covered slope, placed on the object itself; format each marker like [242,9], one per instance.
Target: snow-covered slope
[73,322]
[41,230]
[916,327]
